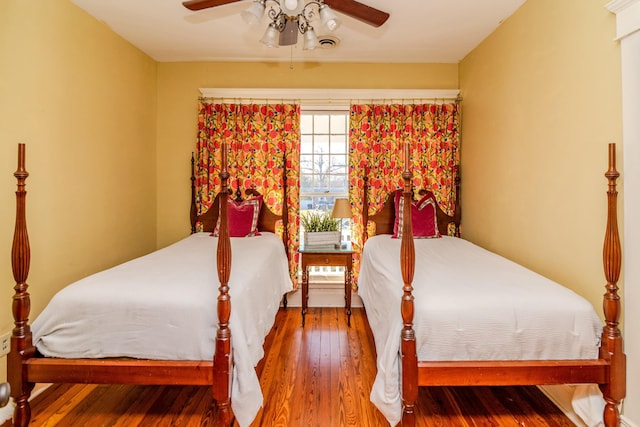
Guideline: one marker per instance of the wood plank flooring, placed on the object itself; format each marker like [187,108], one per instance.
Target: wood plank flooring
[319,375]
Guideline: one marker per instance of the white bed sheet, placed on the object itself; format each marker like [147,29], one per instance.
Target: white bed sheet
[163,306]
[470,304]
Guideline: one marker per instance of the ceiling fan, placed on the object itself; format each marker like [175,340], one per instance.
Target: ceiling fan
[352,8]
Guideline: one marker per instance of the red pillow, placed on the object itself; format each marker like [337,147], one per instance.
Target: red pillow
[424,221]
[243,217]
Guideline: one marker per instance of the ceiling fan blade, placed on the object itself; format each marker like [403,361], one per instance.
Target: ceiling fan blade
[205,4]
[359,11]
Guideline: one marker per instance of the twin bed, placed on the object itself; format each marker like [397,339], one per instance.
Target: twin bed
[464,316]
[514,331]
[152,320]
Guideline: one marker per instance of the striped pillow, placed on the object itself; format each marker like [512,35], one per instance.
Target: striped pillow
[424,220]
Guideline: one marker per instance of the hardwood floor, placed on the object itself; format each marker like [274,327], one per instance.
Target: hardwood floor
[319,375]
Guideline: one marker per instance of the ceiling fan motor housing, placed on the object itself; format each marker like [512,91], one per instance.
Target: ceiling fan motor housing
[289,35]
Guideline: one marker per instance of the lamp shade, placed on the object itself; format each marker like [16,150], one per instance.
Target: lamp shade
[341,209]
[271,36]
[328,18]
[254,14]
[310,39]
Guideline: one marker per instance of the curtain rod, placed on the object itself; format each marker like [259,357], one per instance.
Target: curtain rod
[327,97]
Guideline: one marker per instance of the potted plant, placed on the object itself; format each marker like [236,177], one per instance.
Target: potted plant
[320,229]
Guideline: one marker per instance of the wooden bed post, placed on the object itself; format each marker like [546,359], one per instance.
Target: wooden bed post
[611,346]
[285,207]
[408,337]
[285,217]
[222,359]
[457,213]
[21,344]
[365,206]
[193,214]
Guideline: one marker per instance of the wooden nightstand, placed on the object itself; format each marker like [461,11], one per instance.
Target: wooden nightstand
[339,257]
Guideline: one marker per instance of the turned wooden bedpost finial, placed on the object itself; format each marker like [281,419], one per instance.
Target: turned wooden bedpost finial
[408,338]
[222,359]
[21,344]
[612,349]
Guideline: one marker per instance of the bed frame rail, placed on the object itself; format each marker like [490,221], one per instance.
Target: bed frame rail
[126,371]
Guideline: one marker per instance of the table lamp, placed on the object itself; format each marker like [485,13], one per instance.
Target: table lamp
[341,209]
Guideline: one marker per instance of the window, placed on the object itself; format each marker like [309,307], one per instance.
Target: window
[324,167]
[324,158]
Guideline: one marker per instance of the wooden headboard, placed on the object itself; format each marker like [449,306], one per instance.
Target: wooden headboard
[385,218]
[267,221]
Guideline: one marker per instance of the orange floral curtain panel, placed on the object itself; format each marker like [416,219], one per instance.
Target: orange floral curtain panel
[376,137]
[261,138]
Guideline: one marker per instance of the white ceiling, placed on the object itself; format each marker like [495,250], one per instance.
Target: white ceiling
[418,31]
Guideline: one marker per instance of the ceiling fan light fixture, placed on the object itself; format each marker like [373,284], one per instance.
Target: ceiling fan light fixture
[310,39]
[287,18]
[328,18]
[271,35]
[254,13]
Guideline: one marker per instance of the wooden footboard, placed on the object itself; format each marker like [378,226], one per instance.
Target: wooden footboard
[609,370]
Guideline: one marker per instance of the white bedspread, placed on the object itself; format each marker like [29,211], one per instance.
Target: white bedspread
[471,304]
[163,306]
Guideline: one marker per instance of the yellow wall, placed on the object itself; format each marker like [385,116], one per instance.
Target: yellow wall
[541,102]
[109,134]
[178,85]
[83,100]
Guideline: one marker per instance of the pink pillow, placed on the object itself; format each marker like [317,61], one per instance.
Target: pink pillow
[243,217]
[424,220]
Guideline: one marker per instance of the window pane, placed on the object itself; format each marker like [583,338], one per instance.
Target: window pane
[306,184]
[321,143]
[338,169]
[321,123]
[322,164]
[339,184]
[306,144]
[339,123]
[306,203]
[338,163]
[306,123]
[338,144]
[306,164]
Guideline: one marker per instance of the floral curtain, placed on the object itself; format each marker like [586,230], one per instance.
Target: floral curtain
[376,137]
[261,139]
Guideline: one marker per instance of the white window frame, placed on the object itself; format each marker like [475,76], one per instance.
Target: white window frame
[329,273]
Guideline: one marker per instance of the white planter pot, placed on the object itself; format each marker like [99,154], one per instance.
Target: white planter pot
[322,238]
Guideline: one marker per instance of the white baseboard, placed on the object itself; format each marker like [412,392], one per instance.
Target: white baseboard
[561,396]
[626,422]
